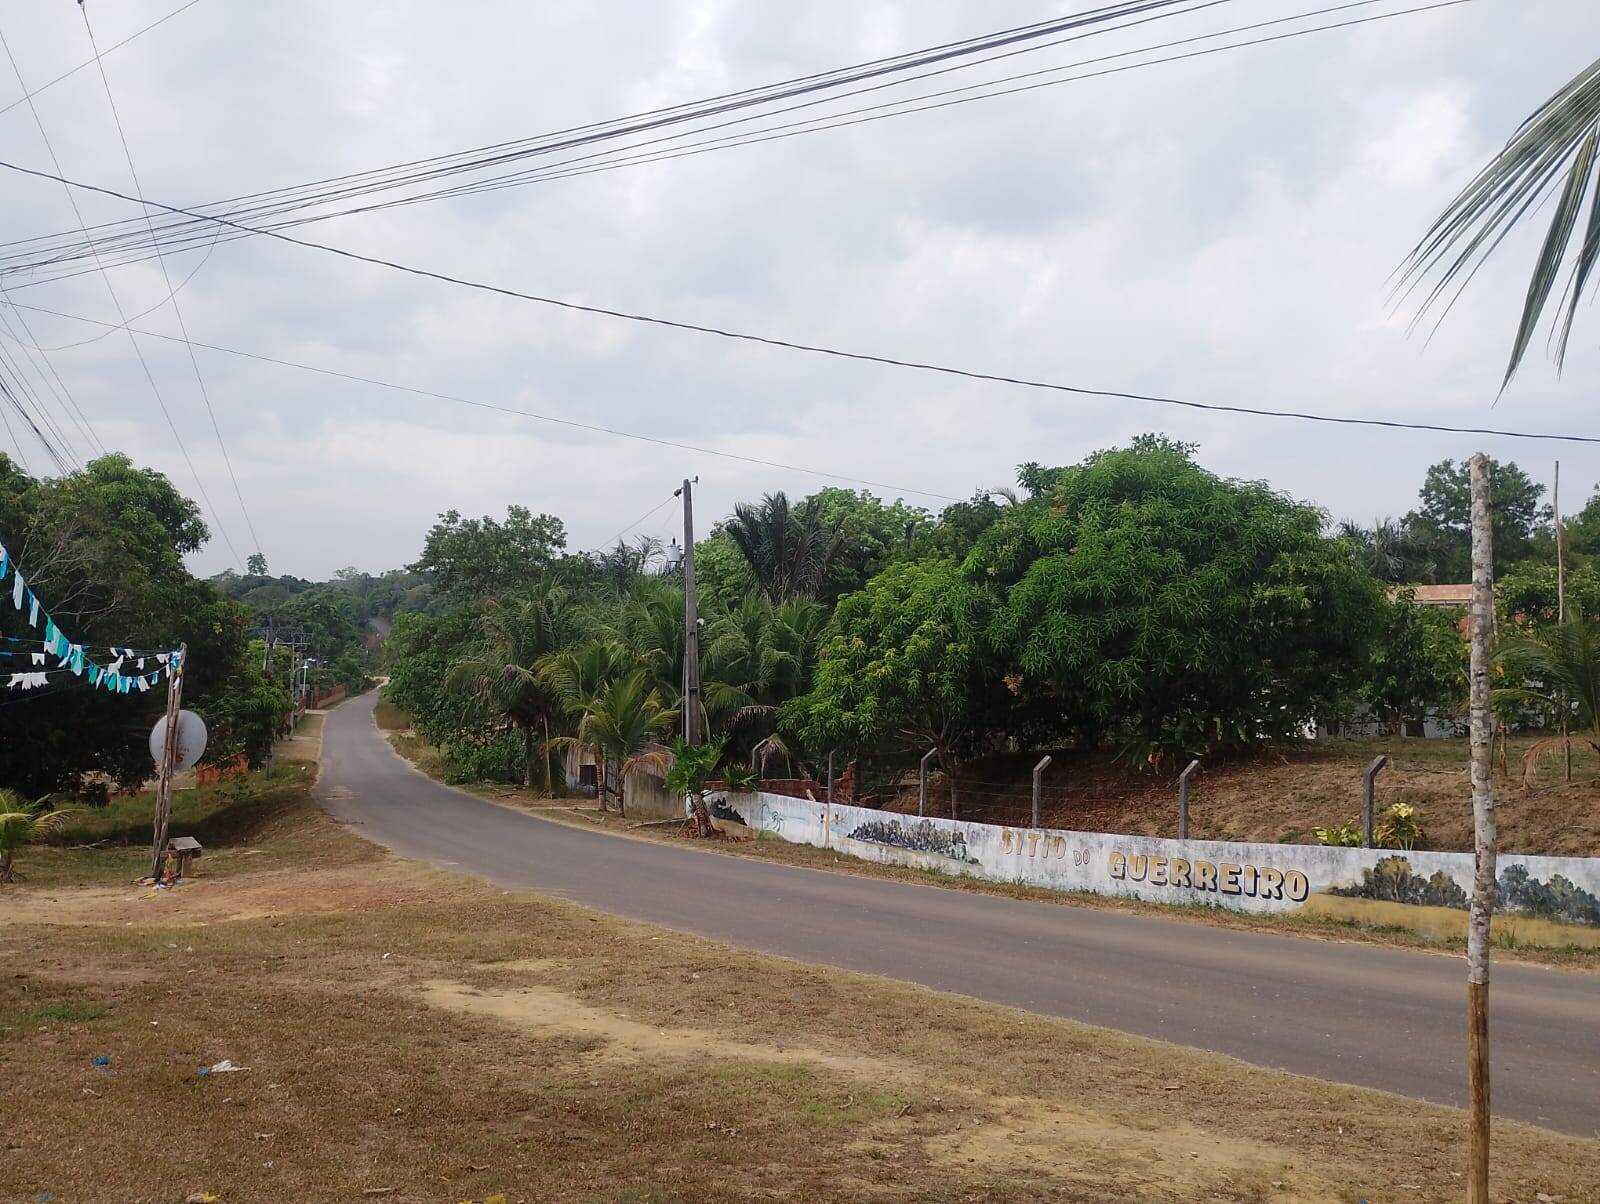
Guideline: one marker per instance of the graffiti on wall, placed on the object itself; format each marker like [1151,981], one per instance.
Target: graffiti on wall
[921,837]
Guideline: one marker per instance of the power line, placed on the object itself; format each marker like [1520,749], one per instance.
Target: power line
[259,206]
[616,158]
[16,444]
[839,353]
[59,388]
[172,293]
[117,303]
[139,33]
[553,419]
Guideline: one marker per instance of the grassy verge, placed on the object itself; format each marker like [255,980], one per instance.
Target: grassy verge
[1508,943]
[420,1036]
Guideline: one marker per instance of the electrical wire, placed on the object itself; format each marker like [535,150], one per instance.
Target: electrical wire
[115,237]
[572,423]
[840,353]
[172,292]
[138,33]
[15,444]
[616,158]
[58,388]
[117,304]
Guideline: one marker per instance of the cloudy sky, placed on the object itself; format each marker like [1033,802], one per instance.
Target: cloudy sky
[1221,229]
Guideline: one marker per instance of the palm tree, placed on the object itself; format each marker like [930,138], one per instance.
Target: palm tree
[758,656]
[619,725]
[1553,153]
[790,550]
[503,675]
[1565,661]
[22,824]
[691,768]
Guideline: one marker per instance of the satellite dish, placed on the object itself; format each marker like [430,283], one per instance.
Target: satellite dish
[191,739]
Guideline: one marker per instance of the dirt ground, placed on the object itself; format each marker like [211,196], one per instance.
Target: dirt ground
[411,1035]
[1285,792]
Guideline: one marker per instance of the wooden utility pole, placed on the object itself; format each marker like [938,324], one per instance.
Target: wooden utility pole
[169,758]
[1484,840]
[1561,614]
[692,730]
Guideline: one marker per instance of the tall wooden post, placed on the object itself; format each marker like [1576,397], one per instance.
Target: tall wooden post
[922,781]
[1484,839]
[1561,616]
[169,759]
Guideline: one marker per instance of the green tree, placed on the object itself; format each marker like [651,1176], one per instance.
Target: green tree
[619,725]
[1552,153]
[722,575]
[693,765]
[791,550]
[872,534]
[1144,598]
[904,665]
[256,565]
[1527,595]
[1418,664]
[103,549]
[502,673]
[1444,520]
[477,556]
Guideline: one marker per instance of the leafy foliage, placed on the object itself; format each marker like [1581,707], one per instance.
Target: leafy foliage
[791,550]
[21,824]
[476,556]
[1152,601]
[1418,662]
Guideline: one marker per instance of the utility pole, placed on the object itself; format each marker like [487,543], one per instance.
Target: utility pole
[169,758]
[692,731]
[1484,839]
[1561,615]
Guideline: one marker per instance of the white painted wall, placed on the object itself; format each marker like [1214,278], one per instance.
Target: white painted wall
[1238,876]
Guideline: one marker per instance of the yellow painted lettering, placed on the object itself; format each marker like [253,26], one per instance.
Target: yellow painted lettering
[1271,883]
[1228,879]
[1118,865]
[1158,871]
[1033,844]
[1058,845]
[1179,876]
[1205,876]
[1296,886]
[1138,866]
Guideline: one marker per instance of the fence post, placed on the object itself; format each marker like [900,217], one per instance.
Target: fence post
[922,785]
[831,751]
[1183,799]
[1038,775]
[1367,792]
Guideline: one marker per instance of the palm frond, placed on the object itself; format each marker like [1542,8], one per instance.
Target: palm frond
[1560,139]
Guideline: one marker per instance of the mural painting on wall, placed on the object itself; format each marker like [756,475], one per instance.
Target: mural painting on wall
[1560,900]
[722,809]
[922,837]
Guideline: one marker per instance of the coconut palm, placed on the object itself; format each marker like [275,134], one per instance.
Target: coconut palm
[1565,660]
[790,549]
[619,724]
[22,824]
[1553,153]
[692,767]
[519,633]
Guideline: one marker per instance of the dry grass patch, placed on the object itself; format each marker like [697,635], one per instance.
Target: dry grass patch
[418,1030]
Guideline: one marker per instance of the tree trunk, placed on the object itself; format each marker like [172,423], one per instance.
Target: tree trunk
[7,872]
[527,757]
[702,814]
[1485,843]
[622,786]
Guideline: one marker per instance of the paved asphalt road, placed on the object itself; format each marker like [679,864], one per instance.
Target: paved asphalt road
[1353,1013]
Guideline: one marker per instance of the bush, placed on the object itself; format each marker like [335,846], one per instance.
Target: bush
[1344,836]
[1400,829]
[493,758]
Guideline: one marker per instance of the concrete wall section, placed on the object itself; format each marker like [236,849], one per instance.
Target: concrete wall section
[1353,883]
